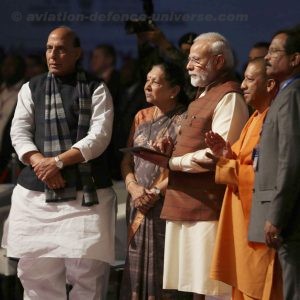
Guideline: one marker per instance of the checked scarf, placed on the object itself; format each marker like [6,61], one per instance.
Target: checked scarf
[58,140]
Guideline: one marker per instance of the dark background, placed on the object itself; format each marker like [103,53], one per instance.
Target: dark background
[26,24]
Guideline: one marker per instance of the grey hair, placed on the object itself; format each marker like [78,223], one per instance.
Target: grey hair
[219,45]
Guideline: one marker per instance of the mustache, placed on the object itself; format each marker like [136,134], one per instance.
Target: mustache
[268,64]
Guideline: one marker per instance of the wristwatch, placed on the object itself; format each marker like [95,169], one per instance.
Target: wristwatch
[59,163]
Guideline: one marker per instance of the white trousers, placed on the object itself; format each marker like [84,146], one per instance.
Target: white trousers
[45,278]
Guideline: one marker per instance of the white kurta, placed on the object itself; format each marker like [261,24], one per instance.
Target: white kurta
[188,254]
[67,230]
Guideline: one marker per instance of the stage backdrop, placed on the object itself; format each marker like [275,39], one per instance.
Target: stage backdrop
[26,24]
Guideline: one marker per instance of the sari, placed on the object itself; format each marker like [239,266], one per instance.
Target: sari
[143,272]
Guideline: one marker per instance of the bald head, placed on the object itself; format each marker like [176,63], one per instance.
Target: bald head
[259,64]
[63,51]
[258,89]
[68,33]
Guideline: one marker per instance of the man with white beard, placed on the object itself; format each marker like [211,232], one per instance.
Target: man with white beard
[193,200]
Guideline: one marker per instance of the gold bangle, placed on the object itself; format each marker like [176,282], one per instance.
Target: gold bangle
[130,181]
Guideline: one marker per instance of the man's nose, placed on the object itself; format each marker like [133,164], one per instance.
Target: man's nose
[53,53]
[189,65]
[267,57]
[243,86]
[148,86]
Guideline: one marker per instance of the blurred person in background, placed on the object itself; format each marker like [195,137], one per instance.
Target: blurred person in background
[153,46]
[103,66]
[259,49]
[12,74]
[185,42]
[35,65]
[133,99]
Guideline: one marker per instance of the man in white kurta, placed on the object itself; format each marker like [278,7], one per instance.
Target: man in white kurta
[61,242]
[191,244]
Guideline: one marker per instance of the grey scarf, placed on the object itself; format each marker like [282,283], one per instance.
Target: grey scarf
[58,139]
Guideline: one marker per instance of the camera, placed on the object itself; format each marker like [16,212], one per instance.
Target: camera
[137,26]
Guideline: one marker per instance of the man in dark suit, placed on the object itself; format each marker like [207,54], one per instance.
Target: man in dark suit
[275,216]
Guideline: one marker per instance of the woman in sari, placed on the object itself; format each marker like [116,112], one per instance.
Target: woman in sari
[146,183]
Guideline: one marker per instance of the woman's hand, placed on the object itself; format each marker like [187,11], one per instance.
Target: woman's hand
[135,190]
[147,201]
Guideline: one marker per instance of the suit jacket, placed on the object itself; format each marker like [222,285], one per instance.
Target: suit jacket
[276,196]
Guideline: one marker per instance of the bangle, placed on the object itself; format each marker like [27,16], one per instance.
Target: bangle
[130,181]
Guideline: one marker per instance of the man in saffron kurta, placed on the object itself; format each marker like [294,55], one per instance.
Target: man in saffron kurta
[247,267]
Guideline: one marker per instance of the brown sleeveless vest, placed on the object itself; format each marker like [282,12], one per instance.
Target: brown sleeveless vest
[196,196]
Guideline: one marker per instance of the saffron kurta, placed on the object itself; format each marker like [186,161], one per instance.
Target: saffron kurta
[248,267]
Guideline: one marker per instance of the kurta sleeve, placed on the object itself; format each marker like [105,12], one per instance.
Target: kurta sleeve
[22,127]
[229,118]
[227,171]
[100,130]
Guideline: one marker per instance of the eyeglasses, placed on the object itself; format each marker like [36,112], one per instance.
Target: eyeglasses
[197,61]
[194,60]
[274,51]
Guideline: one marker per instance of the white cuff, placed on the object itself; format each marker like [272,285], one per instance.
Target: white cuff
[175,163]
[25,149]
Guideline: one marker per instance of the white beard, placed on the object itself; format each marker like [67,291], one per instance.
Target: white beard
[202,79]
[194,80]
